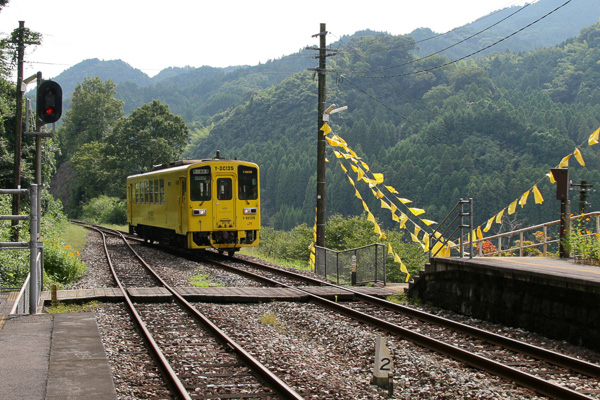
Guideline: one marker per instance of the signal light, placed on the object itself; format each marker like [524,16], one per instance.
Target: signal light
[49,102]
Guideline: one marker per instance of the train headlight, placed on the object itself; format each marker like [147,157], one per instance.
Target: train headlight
[250,211]
[199,211]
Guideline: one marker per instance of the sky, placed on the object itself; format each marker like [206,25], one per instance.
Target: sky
[152,35]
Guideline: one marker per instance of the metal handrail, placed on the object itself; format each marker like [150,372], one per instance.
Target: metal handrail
[522,231]
[440,237]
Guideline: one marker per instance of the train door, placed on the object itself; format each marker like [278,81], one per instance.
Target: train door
[225,201]
[182,217]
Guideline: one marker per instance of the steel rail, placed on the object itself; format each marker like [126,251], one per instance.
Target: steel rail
[272,380]
[527,380]
[523,378]
[574,364]
[168,372]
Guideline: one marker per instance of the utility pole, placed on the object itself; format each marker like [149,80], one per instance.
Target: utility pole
[321,169]
[321,72]
[19,131]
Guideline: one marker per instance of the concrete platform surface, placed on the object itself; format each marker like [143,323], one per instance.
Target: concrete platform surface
[53,356]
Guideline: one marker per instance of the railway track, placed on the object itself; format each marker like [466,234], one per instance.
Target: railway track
[544,371]
[197,359]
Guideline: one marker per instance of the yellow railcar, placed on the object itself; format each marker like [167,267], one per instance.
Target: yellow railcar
[197,204]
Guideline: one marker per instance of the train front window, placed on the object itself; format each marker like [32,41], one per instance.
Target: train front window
[248,183]
[200,184]
[224,191]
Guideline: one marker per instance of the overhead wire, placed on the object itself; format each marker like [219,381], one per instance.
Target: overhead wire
[451,62]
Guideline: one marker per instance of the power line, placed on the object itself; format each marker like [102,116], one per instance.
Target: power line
[455,44]
[468,55]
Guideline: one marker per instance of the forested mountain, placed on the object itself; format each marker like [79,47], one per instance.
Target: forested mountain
[199,93]
[487,129]
[555,28]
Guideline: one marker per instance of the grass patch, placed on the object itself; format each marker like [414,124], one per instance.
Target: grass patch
[124,228]
[75,236]
[271,319]
[61,308]
[403,299]
[200,281]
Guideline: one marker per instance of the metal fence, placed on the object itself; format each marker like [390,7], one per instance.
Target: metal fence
[368,262]
[29,295]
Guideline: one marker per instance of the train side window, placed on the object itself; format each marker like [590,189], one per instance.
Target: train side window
[135,193]
[156,192]
[224,189]
[247,183]
[200,184]
[162,191]
[151,192]
[145,192]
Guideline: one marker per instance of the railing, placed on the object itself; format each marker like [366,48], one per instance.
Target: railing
[361,265]
[30,292]
[503,241]
[462,223]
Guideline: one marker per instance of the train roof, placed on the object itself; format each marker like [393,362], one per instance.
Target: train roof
[183,164]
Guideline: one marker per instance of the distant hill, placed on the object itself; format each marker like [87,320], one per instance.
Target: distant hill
[549,31]
[198,93]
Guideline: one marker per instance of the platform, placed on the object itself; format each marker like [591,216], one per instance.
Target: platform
[557,298]
[53,356]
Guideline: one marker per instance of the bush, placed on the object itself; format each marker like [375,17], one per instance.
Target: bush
[342,233]
[62,264]
[105,210]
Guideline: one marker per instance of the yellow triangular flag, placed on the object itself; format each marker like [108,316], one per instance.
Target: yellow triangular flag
[489,224]
[361,174]
[404,201]
[325,128]
[414,238]
[417,230]
[350,179]
[391,189]
[390,250]
[370,217]
[594,137]
[395,217]
[338,154]
[403,219]
[385,205]
[537,195]
[428,222]
[523,200]
[416,211]
[426,243]
[512,207]
[378,178]
[479,233]
[564,163]
[550,176]
[343,168]
[357,193]
[579,157]
[499,216]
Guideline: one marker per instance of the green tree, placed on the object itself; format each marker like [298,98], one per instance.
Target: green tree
[92,116]
[151,135]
